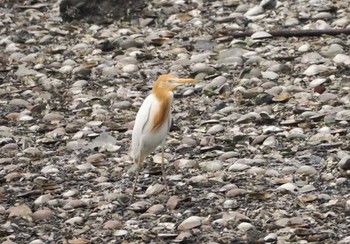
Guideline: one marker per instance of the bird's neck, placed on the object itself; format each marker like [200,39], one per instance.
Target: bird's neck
[162,94]
[162,113]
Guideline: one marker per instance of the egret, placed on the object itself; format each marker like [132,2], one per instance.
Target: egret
[153,122]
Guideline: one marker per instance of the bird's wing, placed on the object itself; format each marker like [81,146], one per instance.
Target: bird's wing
[141,122]
[170,117]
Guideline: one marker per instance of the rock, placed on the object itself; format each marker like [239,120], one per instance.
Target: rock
[140,206]
[307,188]
[172,202]
[112,224]
[215,129]
[317,82]
[156,209]
[24,71]
[245,226]
[211,166]
[342,59]
[154,189]
[344,240]
[37,241]
[256,10]
[238,167]
[119,233]
[344,163]
[315,69]
[21,211]
[70,193]
[304,48]
[43,199]
[333,50]
[272,237]
[190,223]
[185,163]
[306,170]
[19,102]
[289,187]
[236,192]
[52,117]
[74,203]
[50,169]
[97,11]
[42,214]
[261,35]
[74,220]
[270,75]
[202,68]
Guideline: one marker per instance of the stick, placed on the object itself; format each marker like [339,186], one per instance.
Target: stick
[35,6]
[294,33]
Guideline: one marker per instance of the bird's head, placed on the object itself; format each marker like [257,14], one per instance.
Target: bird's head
[170,82]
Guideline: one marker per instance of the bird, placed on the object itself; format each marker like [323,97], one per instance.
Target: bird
[152,123]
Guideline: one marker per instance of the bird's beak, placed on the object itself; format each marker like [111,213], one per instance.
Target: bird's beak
[179,81]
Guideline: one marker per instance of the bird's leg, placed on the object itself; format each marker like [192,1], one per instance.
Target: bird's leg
[164,173]
[136,177]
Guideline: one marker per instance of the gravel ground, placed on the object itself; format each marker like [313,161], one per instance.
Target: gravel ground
[259,147]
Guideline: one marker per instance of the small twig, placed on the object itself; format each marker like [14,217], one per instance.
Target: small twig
[35,6]
[295,33]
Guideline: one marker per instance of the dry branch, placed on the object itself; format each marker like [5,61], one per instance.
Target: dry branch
[297,33]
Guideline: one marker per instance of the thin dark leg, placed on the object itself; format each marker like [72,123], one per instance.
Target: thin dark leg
[164,173]
[136,178]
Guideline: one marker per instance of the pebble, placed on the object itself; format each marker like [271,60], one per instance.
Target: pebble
[344,240]
[119,233]
[211,166]
[51,117]
[289,187]
[173,202]
[270,141]
[43,199]
[50,169]
[307,188]
[21,211]
[342,59]
[317,82]
[315,69]
[245,226]
[156,209]
[304,48]
[42,214]
[190,223]
[256,10]
[70,193]
[215,129]
[237,167]
[185,163]
[74,220]
[19,102]
[306,170]
[333,50]
[260,34]
[272,237]
[37,241]
[235,192]
[270,75]
[344,163]
[112,224]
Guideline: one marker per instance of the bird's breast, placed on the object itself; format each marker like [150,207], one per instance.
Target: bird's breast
[162,113]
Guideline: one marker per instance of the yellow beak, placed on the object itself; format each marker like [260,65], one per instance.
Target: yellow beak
[179,81]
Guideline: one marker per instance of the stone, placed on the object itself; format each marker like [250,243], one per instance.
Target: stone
[99,11]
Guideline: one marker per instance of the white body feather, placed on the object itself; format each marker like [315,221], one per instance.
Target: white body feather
[144,140]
